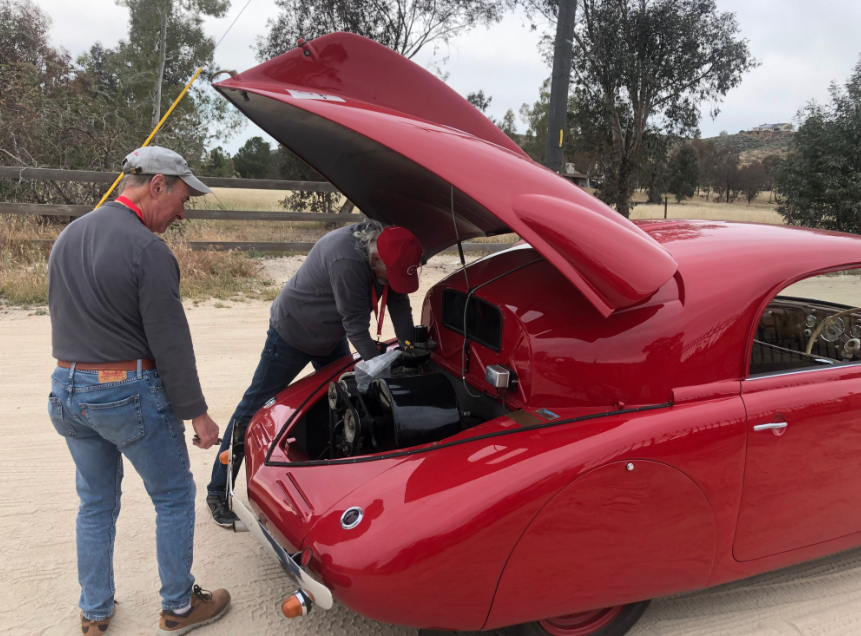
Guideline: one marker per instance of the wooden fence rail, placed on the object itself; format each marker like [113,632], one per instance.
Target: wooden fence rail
[80,176]
[39,209]
[267,246]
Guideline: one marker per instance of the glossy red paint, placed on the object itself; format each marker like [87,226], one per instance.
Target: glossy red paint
[804,478]
[467,506]
[497,492]
[419,172]
[636,336]
[582,545]
[350,67]
[442,524]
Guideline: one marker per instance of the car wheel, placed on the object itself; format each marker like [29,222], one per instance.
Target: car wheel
[610,621]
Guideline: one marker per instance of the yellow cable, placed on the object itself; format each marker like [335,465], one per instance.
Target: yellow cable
[152,134]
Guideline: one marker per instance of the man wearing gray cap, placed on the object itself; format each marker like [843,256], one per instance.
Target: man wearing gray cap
[126,379]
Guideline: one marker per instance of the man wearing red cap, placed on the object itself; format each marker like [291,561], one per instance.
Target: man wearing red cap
[348,275]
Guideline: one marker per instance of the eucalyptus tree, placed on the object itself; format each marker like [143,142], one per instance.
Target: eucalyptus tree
[255,159]
[165,45]
[819,182]
[752,178]
[479,100]
[87,115]
[642,65]
[48,117]
[405,26]
[684,173]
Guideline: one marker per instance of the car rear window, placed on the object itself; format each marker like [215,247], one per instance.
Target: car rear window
[483,323]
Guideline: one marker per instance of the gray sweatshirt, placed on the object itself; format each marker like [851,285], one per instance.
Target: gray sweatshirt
[113,294]
[330,297]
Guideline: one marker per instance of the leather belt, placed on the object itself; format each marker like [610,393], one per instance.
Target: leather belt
[125,365]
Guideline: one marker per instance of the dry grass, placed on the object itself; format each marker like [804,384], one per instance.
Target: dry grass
[501,238]
[24,267]
[242,199]
[759,211]
[252,200]
[277,231]
[224,275]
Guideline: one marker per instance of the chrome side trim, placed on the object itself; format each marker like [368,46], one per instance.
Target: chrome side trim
[238,526]
[321,594]
[778,374]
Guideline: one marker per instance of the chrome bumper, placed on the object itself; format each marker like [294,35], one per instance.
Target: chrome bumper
[320,594]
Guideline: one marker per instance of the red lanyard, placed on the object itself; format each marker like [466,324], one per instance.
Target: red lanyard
[382,311]
[131,206]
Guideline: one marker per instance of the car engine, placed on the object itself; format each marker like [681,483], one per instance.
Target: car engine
[405,407]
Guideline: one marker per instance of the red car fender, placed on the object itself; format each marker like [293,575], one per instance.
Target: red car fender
[440,526]
[624,532]
[424,520]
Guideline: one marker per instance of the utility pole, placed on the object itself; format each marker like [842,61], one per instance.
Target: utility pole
[559,84]
[162,56]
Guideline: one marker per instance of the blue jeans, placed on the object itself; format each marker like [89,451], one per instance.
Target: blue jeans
[102,422]
[279,365]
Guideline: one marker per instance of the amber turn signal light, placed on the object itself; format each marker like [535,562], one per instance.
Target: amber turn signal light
[224,457]
[297,604]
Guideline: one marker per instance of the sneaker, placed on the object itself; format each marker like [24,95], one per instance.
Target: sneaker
[221,512]
[94,628]
[206,608]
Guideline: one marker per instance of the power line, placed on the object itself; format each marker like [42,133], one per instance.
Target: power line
[231,25]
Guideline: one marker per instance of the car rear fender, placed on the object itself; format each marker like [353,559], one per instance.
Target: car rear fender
[624,532]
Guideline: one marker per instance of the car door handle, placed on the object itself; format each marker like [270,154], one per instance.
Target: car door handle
[770,427]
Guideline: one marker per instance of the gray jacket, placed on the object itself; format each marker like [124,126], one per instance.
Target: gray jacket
[330,297]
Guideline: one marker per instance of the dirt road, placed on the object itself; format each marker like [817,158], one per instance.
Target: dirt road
[38,547]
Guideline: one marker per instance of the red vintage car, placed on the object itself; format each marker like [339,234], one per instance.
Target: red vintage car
[606,413]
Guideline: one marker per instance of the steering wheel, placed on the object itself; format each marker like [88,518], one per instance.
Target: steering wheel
[850,345]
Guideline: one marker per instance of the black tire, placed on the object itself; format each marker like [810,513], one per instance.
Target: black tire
[620,625]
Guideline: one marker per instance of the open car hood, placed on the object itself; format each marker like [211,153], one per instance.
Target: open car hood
[408,150]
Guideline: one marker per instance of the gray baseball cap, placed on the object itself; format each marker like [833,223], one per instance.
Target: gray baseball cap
[157,160]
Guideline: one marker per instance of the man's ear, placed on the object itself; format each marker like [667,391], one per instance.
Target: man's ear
[157,185]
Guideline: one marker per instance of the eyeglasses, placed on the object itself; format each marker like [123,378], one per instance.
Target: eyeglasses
[418,270]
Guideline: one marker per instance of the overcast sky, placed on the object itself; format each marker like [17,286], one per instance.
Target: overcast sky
[802,46]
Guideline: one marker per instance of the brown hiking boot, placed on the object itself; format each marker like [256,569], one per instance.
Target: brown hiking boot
[206,608]
[94,628]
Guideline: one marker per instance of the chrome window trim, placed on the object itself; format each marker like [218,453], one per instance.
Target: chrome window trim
[763,376]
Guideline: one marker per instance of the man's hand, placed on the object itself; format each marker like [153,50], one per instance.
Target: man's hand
[206,429]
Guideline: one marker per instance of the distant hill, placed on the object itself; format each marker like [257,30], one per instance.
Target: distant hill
[756,146]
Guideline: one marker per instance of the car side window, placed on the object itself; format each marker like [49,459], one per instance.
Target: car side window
[815,322]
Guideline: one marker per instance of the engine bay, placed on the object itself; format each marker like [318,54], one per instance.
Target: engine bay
[413,403]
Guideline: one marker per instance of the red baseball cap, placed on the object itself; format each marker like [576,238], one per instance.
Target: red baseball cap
[401,253]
